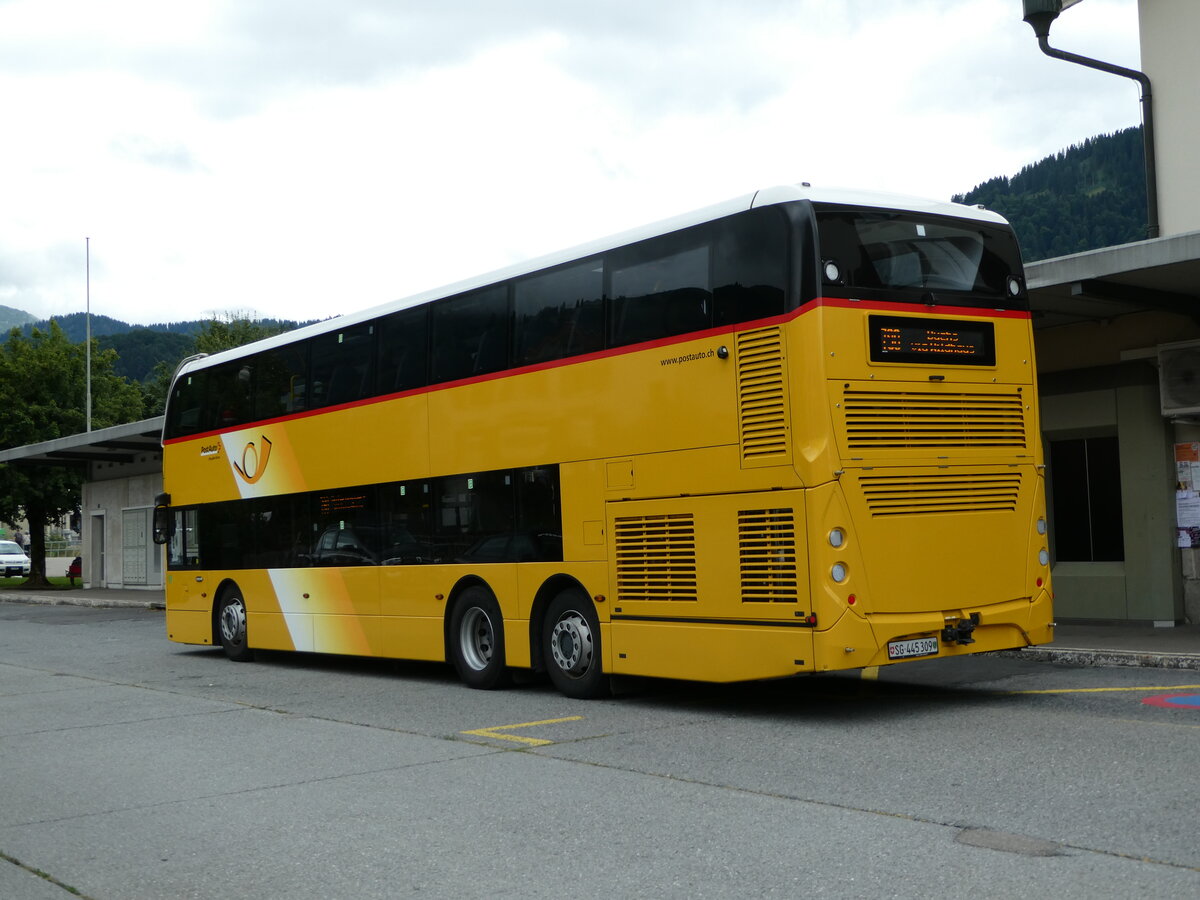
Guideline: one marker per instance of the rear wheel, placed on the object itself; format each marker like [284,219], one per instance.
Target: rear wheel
[571,646]
[231,626]
[477,639]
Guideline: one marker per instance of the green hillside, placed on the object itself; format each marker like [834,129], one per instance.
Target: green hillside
[1089,196]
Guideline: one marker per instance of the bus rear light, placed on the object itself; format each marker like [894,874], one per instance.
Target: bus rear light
[1039,582]
[837,538]
[811,619]
[852,599]
[1044,556]
[839,572]
[1041,525]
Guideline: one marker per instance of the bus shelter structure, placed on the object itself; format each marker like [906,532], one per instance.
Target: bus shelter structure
[122,468]
[1117,335]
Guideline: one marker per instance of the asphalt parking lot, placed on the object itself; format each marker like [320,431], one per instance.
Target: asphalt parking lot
[134,767]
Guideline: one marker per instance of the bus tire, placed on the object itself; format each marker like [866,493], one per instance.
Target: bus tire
[231,625]
[571,646]
[477,639]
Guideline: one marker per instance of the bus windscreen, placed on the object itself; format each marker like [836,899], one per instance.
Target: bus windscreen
[906,256]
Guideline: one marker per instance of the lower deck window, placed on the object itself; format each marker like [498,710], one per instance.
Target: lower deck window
[509,515]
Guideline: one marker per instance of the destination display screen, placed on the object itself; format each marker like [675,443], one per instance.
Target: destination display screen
[946,342]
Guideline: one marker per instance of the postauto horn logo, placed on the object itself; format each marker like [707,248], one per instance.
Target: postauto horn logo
[254,460]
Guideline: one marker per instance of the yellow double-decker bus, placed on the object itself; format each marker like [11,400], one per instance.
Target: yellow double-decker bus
[796,432]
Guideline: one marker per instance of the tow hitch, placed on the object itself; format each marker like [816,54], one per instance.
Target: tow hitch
[958,631]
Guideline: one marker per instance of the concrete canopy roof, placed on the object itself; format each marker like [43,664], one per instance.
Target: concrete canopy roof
[118,444]
[1159,274]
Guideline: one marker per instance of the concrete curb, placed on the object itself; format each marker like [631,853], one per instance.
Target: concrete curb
[1078,656]
[51,598]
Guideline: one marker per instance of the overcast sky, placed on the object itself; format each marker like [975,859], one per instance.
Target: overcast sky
[303,158]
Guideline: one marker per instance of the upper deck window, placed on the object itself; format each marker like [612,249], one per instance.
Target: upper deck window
[908,256]
[660,288]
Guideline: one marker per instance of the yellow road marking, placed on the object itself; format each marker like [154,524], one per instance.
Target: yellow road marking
[1169,687]
[491,731]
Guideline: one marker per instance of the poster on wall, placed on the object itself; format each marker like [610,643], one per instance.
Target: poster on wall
[1187,494]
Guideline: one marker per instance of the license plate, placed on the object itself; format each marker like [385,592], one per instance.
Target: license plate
[917,647]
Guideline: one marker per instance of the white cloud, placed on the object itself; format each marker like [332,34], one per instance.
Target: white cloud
[308,158]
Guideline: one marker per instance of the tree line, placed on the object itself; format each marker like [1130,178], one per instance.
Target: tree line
[1088,196]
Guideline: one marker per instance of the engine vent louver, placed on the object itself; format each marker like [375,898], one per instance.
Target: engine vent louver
[763,420]
[908,495]
[767,547]
[656,557]
[928,420]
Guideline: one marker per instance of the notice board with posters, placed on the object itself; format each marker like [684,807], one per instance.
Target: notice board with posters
[1187,494]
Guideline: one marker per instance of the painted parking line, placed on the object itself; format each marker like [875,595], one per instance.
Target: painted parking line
[495,731]
[1108,690]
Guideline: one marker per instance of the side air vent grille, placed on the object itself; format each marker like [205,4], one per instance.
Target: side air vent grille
[767,544]
[656,557]
[914,419]
[763,421]
[910,495]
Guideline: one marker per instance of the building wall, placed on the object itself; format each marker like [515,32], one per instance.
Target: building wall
[1169,30]
[117,505]
[1119,401]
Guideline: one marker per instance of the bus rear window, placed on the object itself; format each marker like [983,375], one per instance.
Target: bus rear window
[907,256]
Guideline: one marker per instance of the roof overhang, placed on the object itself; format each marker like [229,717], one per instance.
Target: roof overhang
[118,444]
[1162,274]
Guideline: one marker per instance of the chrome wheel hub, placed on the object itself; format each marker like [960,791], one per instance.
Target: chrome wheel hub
[572,645]
[477,638]
[233,622]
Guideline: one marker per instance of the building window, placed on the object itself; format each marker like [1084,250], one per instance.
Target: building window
[1085,476]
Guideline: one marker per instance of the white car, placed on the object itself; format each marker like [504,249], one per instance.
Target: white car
[13,559]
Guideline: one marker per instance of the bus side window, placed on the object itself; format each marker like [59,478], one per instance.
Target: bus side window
[474,512]
[750,266]
[403,339]
[341,365]
[406,523]
[660,288]
[280,379]
[186,405]
[558,314]
[470,334]
[227,400]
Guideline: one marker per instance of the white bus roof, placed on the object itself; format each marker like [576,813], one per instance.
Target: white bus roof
[766,197]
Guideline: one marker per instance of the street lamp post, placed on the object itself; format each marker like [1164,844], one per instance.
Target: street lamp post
[1040,14]
[87,353]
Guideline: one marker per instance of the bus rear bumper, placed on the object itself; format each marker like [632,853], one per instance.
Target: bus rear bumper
[860,641]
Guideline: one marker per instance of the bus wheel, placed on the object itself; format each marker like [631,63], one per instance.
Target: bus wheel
[231,626]
[477,639]
[571,646]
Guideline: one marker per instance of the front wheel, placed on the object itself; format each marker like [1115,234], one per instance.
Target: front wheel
[571,646]
[231,626]
[477,639]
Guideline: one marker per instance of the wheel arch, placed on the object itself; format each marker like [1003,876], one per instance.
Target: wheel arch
[551,588]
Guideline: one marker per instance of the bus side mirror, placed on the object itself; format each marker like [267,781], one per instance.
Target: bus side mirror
[164,519]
